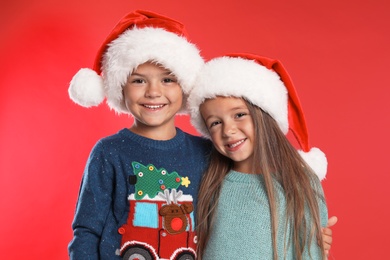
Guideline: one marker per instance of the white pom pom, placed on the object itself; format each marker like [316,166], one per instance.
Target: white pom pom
[86,88]
[316,159]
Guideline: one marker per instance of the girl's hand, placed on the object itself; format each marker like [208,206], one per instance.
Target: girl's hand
[327,234]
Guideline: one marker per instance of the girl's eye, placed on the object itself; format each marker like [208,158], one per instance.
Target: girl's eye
[239,115]
[212,124]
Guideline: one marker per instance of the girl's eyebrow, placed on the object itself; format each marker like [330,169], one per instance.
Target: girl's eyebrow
[239,107]
[208,117]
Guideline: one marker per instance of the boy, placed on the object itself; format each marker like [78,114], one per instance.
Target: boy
[140,185]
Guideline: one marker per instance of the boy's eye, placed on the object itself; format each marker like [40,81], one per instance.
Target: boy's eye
[169,80]
[137,81]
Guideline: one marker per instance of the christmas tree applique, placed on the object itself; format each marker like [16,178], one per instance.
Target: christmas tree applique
[150,180]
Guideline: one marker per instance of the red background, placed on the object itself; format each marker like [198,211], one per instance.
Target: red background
[337,53]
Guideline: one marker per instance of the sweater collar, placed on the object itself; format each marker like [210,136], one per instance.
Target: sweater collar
[157,144]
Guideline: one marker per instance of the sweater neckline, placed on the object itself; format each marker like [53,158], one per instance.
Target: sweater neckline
[236,176]
[176,141]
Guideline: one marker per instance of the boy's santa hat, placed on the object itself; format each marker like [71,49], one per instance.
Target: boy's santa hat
[265,83]
[139,37]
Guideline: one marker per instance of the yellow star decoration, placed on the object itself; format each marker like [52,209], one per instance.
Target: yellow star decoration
[185,181]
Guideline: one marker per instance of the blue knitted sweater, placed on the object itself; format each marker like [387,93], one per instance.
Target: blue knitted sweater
[242,228]
[103,204]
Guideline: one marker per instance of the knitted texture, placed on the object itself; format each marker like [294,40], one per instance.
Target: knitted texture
[103,205]
[242,227]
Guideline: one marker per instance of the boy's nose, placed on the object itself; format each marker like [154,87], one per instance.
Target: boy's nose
[153,90]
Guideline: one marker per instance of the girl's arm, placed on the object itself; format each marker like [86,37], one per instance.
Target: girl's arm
[327,234]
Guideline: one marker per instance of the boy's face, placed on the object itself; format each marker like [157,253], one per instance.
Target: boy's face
[153,96]
[231,129]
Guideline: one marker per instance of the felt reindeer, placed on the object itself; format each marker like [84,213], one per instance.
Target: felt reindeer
[174,215]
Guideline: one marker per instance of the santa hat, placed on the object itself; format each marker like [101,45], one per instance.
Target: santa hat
[139,37]
[265,83]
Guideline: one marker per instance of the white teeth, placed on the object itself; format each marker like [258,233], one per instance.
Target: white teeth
[153,107]
[235,144]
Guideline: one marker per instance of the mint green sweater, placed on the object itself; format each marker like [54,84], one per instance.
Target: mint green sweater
[242,228]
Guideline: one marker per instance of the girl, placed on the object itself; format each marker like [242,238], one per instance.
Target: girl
[259,198]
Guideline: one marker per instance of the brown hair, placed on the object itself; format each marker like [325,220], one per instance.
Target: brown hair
[277,160]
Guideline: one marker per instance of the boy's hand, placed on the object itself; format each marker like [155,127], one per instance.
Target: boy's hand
[327,234]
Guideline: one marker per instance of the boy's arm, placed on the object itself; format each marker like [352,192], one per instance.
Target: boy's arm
[327,234]
[92,208]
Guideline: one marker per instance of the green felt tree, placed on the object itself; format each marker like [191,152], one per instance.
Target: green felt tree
[151,181]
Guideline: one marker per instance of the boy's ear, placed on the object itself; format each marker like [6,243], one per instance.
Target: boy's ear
[124,98]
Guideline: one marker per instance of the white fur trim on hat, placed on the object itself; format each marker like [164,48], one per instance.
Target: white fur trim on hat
[224,76]
[137,46]
[316,159]
[86,88]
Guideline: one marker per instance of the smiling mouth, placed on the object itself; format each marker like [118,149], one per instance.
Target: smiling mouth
[236,143]
[153,106]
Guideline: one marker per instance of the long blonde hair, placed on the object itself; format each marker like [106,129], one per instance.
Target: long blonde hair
[277,160]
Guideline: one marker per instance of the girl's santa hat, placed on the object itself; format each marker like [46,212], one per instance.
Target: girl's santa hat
[139,37]
[265,83]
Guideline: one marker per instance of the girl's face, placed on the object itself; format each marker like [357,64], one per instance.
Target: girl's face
[231,129]
[153,96]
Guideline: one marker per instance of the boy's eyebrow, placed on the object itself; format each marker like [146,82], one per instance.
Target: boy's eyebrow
[168,73]
[136,74]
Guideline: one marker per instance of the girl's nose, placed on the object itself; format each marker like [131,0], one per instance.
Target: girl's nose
[229,129]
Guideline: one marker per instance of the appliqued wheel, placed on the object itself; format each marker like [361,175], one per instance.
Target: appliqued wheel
[186,256]
[137,253]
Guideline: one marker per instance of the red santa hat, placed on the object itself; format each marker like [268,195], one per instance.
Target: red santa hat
[265,83]
[139,37]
